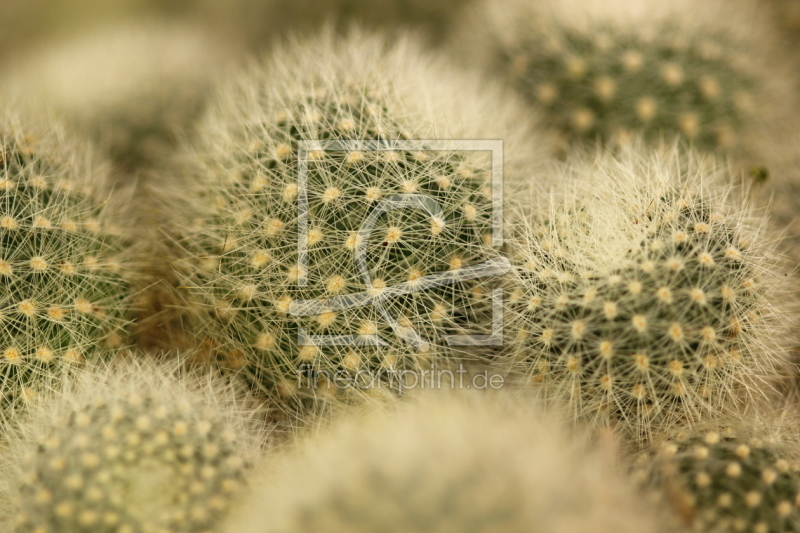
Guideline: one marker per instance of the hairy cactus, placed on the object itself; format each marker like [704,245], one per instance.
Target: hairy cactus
[64,296]
[386,232]
[131,88]
[130,448]
[727,480]
[647,293]
[705,72]
[450,464]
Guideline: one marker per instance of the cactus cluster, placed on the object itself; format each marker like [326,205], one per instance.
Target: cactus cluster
[386,230]
[132,89]
[133,447]
[288,251]
[602,71]
[64,293]
[728,480]
[446,464]
[645,293]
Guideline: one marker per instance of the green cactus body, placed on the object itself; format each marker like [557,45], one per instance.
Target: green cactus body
[605,84]
[727,482]
[672,326]
[64,296]
[132,449]
[248,270]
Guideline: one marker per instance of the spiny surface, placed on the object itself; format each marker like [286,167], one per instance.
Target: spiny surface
[130,450]
[649,298]
[728,481]
[248,269]
[64,298]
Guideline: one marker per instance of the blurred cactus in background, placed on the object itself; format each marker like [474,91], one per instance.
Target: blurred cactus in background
[709,73]
[65,297]
[447,464]
[131,448]
[259,22]
[648,294]
[132,88]
[729,478]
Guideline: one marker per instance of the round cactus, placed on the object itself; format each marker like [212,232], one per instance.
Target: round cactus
[707,73]
[130,448]
[368,241]
[445,465]
[131,88]
[646,293]
[727,480]
[64,297]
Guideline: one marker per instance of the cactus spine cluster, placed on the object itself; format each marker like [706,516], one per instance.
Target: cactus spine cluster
[379,224]
[64,296]
[133,448]
[608,70]
[646,295]
[446,464]
[727,480]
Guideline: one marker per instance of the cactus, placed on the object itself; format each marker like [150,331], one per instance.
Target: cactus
[727,480]
[131,88]
[245,273]
[64,297]
[135,447]
[446,464]
[647,293]
[707,73]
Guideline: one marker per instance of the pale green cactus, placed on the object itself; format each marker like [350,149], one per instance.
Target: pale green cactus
[377,221]
[647,293]
[136,447]
[708,73]
[474,464]
[739,478]
[65,297]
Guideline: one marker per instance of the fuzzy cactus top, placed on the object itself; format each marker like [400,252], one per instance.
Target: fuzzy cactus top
[647,293]
[131,448]
[446,464]
[363,241]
